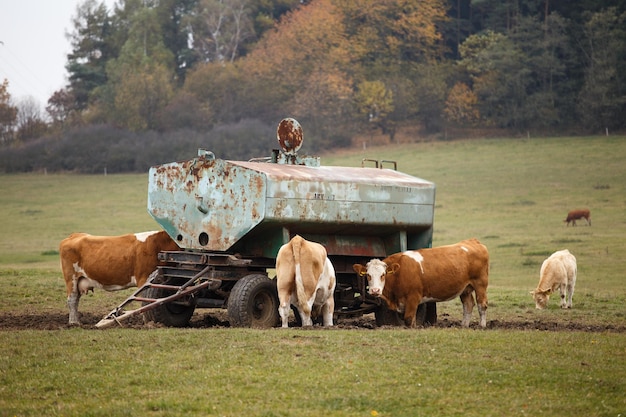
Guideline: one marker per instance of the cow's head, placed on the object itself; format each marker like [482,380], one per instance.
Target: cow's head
[541,298]
[376,272]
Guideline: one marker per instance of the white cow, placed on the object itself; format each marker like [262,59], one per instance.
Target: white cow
[305,277]
[558,271]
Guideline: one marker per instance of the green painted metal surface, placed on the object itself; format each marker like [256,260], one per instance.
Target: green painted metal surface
[218,205]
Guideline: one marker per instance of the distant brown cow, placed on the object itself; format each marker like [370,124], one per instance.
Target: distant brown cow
[406,279]
[109,262]
[574,215]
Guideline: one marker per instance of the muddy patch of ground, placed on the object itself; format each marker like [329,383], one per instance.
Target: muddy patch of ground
[219,319]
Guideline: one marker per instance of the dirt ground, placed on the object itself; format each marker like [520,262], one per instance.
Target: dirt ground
[207,319]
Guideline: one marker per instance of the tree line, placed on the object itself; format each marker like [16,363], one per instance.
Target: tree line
[156,68]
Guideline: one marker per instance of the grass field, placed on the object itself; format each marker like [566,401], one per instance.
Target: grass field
[511,194]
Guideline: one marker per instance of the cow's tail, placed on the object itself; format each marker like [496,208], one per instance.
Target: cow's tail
[296,247]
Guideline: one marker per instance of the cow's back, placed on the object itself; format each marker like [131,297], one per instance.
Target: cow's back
[103,258]
[558,267]
[477,256]
[70,248]
[113,260]
[467,258]
[311,257]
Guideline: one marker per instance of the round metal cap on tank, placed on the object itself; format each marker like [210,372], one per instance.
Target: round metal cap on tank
[289,135]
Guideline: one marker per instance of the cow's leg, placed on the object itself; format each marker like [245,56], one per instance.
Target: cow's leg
[284,304]
[562,288]
[283,310]
[468,305]
[327,311]
[305,317]
[304,310]
[570,293]
[481,300]
[410,310]
[72,304]
[73,297]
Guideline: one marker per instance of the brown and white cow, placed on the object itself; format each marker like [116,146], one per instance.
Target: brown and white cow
[558,271]
[305,277]
[574,215]
[406,279]
[111,263]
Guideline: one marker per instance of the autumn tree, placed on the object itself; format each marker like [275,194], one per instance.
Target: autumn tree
[386,33]
[8,113]
[221,88]
[291,57]
[325,105]
[461,105]
[392,42]
[30,123]
[374,103]
[61,108]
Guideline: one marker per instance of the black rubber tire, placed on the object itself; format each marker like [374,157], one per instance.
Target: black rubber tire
[253,302]
[169,314]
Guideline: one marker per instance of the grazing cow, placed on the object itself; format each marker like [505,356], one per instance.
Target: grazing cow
[558,271]
[305,277]
[108,262]
[406,279]
[574,215]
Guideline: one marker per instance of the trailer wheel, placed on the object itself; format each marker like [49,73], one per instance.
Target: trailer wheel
[170,314]
[253,302]
[426,315]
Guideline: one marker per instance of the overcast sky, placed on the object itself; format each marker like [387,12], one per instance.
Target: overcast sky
[33,46]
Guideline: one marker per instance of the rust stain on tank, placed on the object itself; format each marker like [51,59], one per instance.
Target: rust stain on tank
[289,135]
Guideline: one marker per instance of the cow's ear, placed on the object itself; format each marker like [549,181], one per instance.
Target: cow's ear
[393,268]
[532,292]
[359,269]
[548,291]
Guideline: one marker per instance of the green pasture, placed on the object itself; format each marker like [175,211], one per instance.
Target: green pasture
[247,372]
[512,194]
